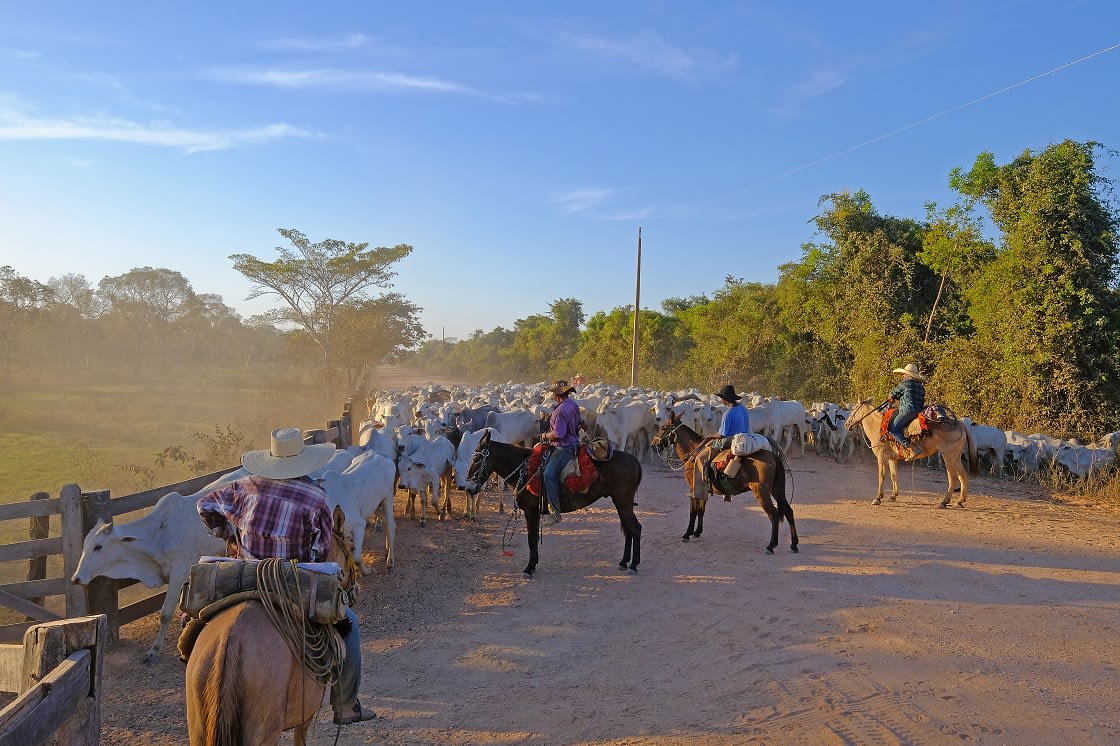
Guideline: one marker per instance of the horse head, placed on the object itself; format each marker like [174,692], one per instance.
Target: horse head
[478,471]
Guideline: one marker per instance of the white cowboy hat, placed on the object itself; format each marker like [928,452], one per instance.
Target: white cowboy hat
[910,370]
[289,457]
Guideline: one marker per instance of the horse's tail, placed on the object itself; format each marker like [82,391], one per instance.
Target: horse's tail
[222,692]
[778,489]
[973,461]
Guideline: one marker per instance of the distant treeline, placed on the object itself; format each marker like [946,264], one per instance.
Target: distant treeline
[1021,331]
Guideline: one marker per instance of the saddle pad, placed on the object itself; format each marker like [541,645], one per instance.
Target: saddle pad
[577,476]
[744,444]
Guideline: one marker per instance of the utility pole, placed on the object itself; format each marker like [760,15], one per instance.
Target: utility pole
[637,308]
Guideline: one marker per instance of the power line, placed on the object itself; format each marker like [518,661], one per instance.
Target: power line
[884,136]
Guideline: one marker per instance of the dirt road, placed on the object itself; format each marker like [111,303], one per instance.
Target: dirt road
[899,624]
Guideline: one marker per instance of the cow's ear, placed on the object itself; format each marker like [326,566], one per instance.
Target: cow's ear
[103,528]
[339,517]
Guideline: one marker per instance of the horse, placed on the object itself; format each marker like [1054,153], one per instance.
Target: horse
[617,478]
[949,440]
[762,472]
[243,684]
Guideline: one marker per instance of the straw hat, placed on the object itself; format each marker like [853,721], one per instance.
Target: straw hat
[727,393]
[289,457]
[561,388]
[910,370]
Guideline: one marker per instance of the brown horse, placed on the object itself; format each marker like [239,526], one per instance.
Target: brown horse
[950,441]
[763,473]
[243,684]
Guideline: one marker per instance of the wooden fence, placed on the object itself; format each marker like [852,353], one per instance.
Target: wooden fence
[56,674]
[78,513]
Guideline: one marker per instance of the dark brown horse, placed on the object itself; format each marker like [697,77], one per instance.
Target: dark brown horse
[762,472]
[618,479]
[243,684]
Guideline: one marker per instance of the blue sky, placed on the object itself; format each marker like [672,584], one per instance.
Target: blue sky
[518,147]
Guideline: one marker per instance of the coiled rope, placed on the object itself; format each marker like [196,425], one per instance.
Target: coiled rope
[318,647]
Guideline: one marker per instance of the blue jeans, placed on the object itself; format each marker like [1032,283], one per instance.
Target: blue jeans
[344,692]
[897,428]
[559,458]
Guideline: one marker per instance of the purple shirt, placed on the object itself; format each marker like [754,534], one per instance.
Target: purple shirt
[283,518]
[565,422]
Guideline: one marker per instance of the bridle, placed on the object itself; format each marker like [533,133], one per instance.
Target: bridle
[478,464]
[669,438]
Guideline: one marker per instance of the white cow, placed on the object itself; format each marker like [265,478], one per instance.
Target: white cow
[786,416]
[1084,461]
[517,426]
[989,439]
[362,490]
[158,549]
[461,466]
[629,426]
[428,467]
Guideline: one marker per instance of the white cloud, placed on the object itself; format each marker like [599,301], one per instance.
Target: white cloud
[341,79]
[819,82]
[582,200]
[338,44]
[14,126]
[649,51]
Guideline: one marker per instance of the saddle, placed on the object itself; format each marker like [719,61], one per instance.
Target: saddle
[577,476]
[719,481]
[933,417]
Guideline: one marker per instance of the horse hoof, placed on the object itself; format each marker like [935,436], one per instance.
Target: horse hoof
[622,566]
[877,501]
[793,548]
[769,550]
[685,539]
[632,571]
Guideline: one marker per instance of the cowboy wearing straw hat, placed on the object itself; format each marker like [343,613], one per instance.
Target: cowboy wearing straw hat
[735,420]
[563,434]
[279,511]
[910,394]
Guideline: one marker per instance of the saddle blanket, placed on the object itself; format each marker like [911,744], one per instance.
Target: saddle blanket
[744,444]
[577,476]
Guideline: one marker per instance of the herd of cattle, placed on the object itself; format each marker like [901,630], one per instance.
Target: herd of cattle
[422,439]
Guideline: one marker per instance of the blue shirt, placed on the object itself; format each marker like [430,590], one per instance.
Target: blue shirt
[735,420]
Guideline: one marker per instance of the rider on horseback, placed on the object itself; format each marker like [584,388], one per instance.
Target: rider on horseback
[563,434]
[735,420]
[910,394]
[278,511]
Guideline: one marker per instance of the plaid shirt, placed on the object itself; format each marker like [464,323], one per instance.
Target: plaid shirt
[283,518]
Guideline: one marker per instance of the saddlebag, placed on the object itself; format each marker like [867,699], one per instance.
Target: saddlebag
[316,587]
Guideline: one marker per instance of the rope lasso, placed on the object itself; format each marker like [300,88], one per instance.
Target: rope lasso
[318,647]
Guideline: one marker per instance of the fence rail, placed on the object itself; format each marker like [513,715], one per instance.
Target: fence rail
[78,513]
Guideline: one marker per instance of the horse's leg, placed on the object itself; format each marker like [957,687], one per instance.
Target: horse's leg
[695,509]
[533,533]
[763,494]
[892,464]
[882,469]
[785,510]
[632,529]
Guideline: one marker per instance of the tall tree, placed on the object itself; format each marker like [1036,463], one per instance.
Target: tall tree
[20,298]
[149,301]
[315,281]
[1045,309]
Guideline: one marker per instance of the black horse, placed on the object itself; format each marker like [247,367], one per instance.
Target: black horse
[763,473]
[618,479]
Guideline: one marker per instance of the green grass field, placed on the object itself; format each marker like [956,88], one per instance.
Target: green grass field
[107,435]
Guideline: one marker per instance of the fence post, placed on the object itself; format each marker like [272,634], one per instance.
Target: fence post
[101,593]
[313,437]
[70,509]
[346,424]
[336,425]
[39,528]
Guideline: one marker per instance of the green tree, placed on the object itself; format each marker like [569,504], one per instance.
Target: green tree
[20,299]
[316,281]
[1045,309]
[149,302]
